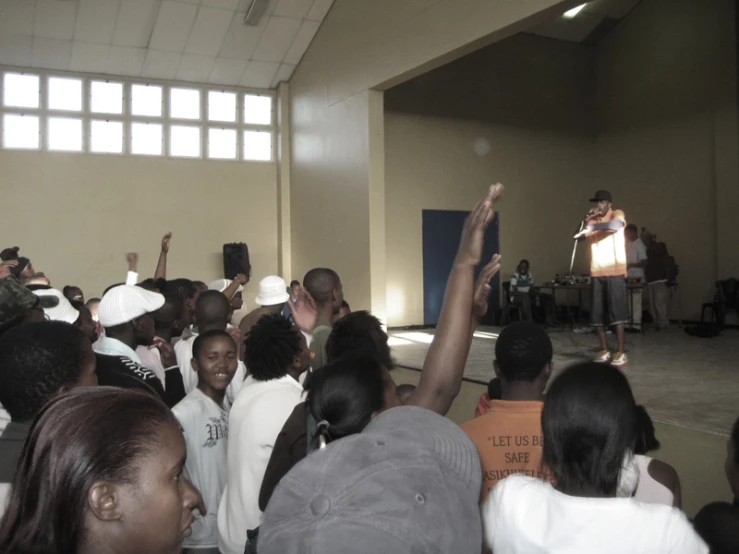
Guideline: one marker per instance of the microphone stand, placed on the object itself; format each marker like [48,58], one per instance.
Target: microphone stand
[574,248]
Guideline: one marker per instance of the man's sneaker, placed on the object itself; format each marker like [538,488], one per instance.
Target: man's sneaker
[620,359]
[603,357]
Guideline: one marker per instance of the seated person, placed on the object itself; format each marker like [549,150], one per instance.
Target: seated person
[718,522]
[658,481]
[590,430]
[102,470]
[508,436]
[203,415]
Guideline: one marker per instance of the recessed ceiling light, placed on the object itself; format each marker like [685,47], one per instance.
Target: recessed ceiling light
[569,14]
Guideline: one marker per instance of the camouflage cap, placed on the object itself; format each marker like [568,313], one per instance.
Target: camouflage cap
[15,299]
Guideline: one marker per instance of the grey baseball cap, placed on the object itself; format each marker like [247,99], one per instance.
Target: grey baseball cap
[409,483]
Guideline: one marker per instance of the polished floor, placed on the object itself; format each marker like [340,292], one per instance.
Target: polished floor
[684,381]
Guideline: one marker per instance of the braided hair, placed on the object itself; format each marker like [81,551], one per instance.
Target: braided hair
[270,348]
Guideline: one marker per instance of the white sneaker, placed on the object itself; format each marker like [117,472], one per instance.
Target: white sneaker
[603,357]
[620,359]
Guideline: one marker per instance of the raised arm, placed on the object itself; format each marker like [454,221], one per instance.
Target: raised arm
[161,272]
[443,368]
[239,281]
[133,261]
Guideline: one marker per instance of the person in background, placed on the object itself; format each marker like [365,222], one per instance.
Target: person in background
[73,294]
[636,261]
[38,279]
[56,306]
[203,415]
[98,495]
[324,286]
[125,313]
[18,305]
[656,277]
[189,294]
[211,312]
[522,289]
[658,481]
[38,362]
[604,231]
[85,322]
[590,430]
[344,311]
[92,304]
[294,293]
[494,392]
[167,326]
[508,436]
[232,290]
[276,354]
[272,299]
[21,268]
[718,522]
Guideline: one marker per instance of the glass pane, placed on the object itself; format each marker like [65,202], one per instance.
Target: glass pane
[184,103]
[221,106]
[65,94]
[65,134]
[258,145]
[257,109]
[106,136]
[146,138]
[20,131]
[222,143]
[184,141]
[146,100]
[21,90]
[106,97]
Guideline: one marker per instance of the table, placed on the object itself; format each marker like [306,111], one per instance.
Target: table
[579,287]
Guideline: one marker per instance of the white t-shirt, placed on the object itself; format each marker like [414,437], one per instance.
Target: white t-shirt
[183,352]
[205,426]
[635,252]
[257,417]
[524,515]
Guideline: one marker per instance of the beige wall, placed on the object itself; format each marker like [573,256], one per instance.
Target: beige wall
[520,112]
[667,141]
[337,187]
[76,215]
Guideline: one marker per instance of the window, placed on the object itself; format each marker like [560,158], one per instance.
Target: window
[48,111]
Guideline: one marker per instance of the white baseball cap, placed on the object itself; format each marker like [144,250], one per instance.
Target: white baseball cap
[62,310]
[272,291]
[222,284]
[125,303]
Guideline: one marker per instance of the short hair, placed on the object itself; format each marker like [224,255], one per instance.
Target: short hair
[588,423]
[345,393]
[36,360]
[320,283]
[646,440]
[170,311]
[294,283]
[184,287]
[716,523]
[359,332]
[153,285]
[202,338]
[88,435]
[495,389]
[522,350]
[632,227]
[212,307]
[271,346]
[92,301]
[200,286]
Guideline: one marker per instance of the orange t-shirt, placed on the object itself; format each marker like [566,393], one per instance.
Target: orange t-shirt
[509,440]
[608,250]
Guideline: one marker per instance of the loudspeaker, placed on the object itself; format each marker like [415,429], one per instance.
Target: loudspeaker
[236,260]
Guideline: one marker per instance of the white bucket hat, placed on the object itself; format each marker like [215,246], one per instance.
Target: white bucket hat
[272,291]
[125,303]
[63,310]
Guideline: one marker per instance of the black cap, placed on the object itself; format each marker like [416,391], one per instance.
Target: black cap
[602,195]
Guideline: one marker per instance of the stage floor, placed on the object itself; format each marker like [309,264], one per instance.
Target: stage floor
[682,380]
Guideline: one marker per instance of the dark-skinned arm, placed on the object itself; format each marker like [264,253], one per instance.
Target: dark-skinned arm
[441,377]
[161,272]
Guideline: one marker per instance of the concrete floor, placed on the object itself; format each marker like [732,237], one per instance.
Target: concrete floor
[690,387]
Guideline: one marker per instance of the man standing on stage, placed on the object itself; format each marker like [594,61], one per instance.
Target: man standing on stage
[604,230]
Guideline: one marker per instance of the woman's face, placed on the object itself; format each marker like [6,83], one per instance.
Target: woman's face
[732,470]
[157,507]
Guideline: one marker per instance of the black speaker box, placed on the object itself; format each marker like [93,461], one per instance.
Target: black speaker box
[236,260]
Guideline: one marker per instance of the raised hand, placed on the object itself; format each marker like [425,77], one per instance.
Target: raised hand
[9,263]
[473,234]
[165,242]
[133,260]
[241,279]
[482,287]
[305,313]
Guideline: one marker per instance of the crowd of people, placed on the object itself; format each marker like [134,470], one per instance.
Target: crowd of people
[145,421]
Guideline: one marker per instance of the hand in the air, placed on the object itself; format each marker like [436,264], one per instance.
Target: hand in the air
[482,287]
[305,313]
[133,260]
[165,242]
[473,234]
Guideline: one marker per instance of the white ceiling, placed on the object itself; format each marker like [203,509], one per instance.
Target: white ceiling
[204,41]
[579,27]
